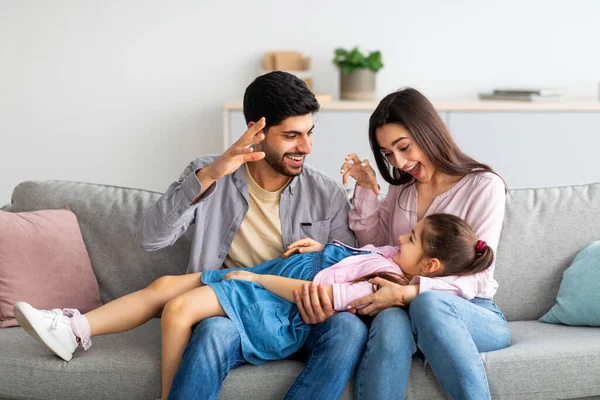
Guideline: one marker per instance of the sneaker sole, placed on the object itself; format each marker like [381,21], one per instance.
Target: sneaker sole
[24,314]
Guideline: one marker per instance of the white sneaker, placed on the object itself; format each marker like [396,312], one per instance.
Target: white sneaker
[50,328]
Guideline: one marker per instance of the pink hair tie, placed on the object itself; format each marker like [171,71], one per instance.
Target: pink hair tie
[480,246]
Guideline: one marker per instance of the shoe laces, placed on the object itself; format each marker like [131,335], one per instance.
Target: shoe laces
[56,319]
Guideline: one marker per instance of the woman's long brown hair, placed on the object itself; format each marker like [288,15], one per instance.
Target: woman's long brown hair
[411,109]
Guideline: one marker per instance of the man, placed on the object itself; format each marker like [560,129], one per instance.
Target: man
[249,204]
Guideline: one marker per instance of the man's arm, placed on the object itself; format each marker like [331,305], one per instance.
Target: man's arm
[278,285]
[169,218]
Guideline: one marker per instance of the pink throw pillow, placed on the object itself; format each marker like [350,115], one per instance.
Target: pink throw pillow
[44,262]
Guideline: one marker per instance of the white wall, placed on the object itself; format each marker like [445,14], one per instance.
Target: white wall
[126,93]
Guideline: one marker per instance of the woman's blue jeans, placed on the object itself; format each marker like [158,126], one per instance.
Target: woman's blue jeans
[450,332]
[331,353]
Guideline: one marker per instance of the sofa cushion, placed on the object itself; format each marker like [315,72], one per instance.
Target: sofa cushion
[108,216]
[543,231]
[43,261]
[544,362]
[578,300]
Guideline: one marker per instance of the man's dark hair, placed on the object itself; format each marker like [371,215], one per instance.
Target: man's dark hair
[277,96]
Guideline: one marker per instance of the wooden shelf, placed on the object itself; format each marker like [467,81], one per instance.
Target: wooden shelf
[466,106]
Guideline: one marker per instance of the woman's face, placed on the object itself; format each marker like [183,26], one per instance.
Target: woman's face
[400,150]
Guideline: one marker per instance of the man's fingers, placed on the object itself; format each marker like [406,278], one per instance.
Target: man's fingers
[238,151]
[307,303]
[315,300]
[252,132]
[325,300]
[254,156]
[300,306]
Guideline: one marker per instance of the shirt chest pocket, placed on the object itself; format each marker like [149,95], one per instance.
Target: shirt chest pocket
[316,230]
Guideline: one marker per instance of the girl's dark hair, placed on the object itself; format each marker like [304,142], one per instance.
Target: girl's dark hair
[277,96]
[409,108]
[451,240]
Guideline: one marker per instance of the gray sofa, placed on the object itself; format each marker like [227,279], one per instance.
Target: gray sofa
[543,230]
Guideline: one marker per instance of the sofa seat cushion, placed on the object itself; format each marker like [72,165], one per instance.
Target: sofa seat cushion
[544,362]
[121,366]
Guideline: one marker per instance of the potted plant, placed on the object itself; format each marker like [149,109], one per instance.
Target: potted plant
[357,73]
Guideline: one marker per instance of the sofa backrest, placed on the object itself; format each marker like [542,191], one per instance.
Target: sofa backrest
[543,231]
[108,216]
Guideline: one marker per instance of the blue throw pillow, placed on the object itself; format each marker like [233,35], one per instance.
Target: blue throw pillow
[578,299]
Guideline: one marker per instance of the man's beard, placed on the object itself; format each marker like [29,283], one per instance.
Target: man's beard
[276,161]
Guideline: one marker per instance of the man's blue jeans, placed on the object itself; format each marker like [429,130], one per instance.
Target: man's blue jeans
[450,332]
[331,353]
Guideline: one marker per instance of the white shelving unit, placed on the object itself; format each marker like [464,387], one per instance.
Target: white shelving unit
[529,144]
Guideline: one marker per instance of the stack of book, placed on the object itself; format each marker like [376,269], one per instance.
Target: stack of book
[531,95]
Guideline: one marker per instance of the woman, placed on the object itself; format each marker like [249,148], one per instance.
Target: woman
[449,319]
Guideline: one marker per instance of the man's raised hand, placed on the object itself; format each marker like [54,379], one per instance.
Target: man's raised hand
[239,153]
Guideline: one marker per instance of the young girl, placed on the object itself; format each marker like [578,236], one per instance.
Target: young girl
[260,300]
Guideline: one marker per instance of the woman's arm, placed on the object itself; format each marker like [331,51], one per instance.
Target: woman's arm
[370,218]
[389,295]
[278,285]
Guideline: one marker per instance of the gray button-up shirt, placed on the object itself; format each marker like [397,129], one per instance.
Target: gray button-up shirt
[313,205]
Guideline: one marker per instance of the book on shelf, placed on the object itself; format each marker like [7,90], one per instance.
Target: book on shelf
[526,97]
[529,91]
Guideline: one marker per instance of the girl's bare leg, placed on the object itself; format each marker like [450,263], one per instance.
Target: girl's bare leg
[179,315]
[136,308]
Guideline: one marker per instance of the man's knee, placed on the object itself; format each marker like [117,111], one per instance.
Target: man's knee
[214,335]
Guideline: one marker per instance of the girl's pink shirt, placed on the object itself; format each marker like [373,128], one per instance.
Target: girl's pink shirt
[341,275]
[479,198]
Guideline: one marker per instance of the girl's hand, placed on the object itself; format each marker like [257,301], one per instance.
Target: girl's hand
[241,276]
[303,246]
[388,295]
[361,171]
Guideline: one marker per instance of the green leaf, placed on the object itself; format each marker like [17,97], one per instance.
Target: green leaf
[350,60]
[340,52]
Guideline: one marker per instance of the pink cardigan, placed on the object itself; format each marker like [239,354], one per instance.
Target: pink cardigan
[478,198]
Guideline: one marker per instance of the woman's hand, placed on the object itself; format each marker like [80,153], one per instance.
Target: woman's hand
[361,171]
[241,276]
[388,295]
[313,303]
[303,246]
